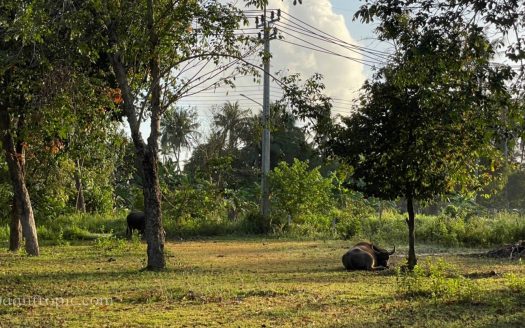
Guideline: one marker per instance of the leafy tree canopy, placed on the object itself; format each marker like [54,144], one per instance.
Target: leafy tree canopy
[427,118]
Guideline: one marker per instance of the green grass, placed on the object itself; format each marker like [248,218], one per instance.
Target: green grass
[253,283]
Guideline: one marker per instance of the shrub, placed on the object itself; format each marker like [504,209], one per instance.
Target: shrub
[80,226]
[437,280]
[347,225]
[299,192]
[451,211]
[392,228]
[312,227]
[200,201]
[356,216]
[4,232]
[77,233]
[254,223]
[111,245]
[6,196]
[55,237]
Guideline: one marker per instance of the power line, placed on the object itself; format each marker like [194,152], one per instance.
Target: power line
[365,53]
[328,52]
[292,27]
[330,39]
[323,34]
[324,50]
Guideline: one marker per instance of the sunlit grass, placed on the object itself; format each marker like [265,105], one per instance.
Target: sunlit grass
[245,283]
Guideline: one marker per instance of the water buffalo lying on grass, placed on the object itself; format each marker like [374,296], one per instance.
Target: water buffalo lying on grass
[136,221]
[366,256]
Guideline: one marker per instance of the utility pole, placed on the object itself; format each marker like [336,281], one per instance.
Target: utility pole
[265,24]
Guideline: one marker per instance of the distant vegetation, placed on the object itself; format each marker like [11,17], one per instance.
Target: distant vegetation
[453,227]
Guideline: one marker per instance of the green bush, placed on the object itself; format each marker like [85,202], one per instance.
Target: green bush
[299,192]
[440,230]
[437,280]
[6,198]
[312,227]
[53,236]
[4,232]
[254,223]
[77,233]
[478,231]
[200,201]
[99,199]
[347,225]
[451,211]
[111,245]
[81,226]
[392,228]
[355,217]
[205,213]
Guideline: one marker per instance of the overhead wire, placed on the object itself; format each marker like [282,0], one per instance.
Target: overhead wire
[328,52]
[361,51]
[297,29]
[316,31]
[318,48]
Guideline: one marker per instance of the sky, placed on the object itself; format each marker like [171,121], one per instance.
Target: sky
[309,25]
[304,27]
[342,76]
[323,25]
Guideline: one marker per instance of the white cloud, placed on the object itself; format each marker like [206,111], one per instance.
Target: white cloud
[342,76]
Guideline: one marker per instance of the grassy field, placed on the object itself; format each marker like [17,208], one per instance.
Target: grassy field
[253,283]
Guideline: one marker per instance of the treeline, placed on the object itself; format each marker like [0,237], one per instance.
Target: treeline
[215,191]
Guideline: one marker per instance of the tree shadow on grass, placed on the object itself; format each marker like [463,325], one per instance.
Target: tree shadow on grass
[87,275]
[499,308]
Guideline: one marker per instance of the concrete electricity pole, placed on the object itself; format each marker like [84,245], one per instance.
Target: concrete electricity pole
[265,24]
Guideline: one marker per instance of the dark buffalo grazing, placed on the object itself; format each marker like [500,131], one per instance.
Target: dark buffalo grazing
[366,256]
[136,221]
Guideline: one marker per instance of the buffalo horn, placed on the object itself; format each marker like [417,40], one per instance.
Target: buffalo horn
[393,251]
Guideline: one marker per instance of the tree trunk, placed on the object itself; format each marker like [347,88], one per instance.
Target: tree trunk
[177,159]
[412,261]
[152,202]
[146,154]
[15,163]
[81,203]
[15,229]
[152,195]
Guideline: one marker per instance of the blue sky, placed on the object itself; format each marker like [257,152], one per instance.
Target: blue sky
[347,8]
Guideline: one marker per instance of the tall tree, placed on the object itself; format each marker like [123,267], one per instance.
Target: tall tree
[160,51]
[22,66]
[241,165]
[288,140]
[179,129]
[43,75]
[427,118]
[505,19]
[76,117]
[230,121]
